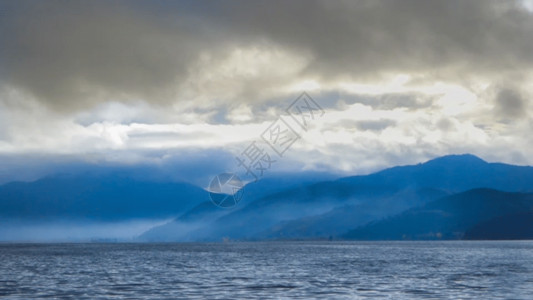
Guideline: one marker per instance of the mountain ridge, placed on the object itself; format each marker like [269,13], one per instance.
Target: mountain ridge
[365,197]
[446,218]
[304,206]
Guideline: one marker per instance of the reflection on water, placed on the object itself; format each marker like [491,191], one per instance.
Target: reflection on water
[268,270]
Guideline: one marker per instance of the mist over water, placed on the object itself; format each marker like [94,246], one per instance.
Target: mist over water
[269,270]
[74,231]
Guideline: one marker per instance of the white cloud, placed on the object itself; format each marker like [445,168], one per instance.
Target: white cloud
[352,138]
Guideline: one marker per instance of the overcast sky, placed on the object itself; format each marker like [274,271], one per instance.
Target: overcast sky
[191,84]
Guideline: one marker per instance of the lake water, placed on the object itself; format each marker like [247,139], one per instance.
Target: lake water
[397,270]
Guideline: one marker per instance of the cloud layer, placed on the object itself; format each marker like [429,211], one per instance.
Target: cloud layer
[401,81]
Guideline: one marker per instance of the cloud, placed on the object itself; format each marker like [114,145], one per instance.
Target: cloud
[142,82]
[510,104]
[75,54]
[364,39]
[377,125]
[71,55]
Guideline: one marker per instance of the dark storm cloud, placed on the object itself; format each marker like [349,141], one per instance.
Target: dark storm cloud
[71,54]
[68,53]
[510,104]
[364,125]
[362,37]
[377,125]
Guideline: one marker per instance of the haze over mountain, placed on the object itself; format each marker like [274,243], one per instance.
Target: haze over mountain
[108,203]
[290,206]
[331,208]
[101,198]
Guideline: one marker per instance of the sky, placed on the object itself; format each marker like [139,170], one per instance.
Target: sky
[187,86]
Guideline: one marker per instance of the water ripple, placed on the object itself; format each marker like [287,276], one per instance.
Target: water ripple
[297,270]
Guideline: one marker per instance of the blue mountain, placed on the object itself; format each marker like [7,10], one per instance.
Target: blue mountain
[517,226]
[473,212]
[290,206]
[109,195]
[102,198]
[453,173]
[330,208]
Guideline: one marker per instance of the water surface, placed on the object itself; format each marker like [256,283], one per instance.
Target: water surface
[302,270]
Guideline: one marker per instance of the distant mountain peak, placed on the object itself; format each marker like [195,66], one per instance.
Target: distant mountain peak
[457,158]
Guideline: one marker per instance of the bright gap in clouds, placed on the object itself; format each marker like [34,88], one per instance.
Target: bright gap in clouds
[409,132]
[528,4]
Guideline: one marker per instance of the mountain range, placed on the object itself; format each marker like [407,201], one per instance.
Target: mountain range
[451,197]
[352,207]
